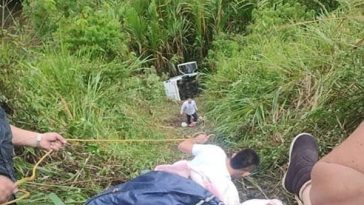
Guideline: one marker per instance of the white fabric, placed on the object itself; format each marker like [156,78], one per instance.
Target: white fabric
[189,107]
[210,162]
[263,202]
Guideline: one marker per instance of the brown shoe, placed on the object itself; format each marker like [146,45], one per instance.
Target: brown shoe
[303,155]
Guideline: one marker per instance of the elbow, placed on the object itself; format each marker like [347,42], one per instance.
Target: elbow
[180,147]
[183,147]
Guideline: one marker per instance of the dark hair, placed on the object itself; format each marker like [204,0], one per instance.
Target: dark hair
[245,159]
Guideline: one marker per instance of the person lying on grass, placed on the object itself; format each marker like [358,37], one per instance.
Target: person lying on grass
[212,169]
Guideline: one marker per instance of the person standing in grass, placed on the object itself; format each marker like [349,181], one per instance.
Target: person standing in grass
[10,135]
[189,108]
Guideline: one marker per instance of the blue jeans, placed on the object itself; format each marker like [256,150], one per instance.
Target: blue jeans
[192,118]
[6,147]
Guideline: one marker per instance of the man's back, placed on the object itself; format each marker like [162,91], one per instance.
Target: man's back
[209,159]
[209,164]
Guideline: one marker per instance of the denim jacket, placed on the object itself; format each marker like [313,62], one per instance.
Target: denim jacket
[6,147]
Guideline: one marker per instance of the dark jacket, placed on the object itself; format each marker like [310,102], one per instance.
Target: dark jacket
[6,147]
[156,188]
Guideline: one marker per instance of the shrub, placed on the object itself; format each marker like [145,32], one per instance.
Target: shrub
[95,32]
[43,15]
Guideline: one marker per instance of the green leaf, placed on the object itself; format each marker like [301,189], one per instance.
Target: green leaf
[55,199]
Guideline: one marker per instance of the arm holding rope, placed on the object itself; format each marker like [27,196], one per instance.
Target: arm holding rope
[47,141]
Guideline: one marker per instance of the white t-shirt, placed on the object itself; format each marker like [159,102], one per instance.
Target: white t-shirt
[189,107]
[210,162]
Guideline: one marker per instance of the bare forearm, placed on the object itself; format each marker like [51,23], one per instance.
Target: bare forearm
[48,140]
[186,146]
[24,137]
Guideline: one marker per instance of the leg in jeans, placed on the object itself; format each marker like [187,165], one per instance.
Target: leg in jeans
[195,117]
[188,119]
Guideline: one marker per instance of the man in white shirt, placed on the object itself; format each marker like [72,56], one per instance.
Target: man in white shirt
[190,109]
[211,166]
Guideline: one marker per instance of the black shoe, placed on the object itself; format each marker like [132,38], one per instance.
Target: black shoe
[303,155]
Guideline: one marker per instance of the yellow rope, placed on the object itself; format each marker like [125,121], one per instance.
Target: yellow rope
[28,179]
[126,140]
[32,177]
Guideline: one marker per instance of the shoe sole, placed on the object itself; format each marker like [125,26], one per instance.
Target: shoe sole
[289,159]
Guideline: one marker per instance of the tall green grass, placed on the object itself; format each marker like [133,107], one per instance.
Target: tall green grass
[50,89]
[79,68]
[85,98]
[166,32]
[271,85]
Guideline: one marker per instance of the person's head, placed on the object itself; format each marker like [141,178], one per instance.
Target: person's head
[243,162]
[189,99]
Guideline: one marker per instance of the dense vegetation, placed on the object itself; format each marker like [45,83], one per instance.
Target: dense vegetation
[288,76]
[93,69]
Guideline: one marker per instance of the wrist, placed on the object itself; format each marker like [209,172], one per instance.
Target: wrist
[38,138]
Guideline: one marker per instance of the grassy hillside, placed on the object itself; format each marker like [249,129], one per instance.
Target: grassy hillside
[94,69]
[288,75]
